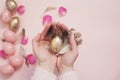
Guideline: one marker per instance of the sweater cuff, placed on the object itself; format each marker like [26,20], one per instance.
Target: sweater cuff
[42,74]
[70,75]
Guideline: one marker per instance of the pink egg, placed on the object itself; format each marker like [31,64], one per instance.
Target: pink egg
[7,70]
[9,36]
[8,48]
[16,61]
[5,16]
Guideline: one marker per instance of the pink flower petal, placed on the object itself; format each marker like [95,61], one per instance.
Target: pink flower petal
[31,59]
[47,19]
[62,11]
[21,9]
[24,40]
[3,54]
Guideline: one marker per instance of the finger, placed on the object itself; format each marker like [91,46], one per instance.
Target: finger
[73,44]
[62,26]
[65,27]
[45,30]
[36,39]
[43,43]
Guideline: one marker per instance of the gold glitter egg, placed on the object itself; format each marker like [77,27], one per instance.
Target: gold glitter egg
[11,5]
[56,44]
[14,23]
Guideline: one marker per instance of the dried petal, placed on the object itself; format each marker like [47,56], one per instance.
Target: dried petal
[49,8]
[64,49]
[62,11]
[31,59]
[3,54]
[21,9]
[24,40]
[47,19]
[23,32]
[26,63]
[78,41]
[19,37]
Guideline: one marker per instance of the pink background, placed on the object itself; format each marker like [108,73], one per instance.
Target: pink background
[99,23]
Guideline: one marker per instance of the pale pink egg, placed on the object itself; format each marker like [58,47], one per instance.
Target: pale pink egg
[9,36]
[5,16]
[8,48]
[16,61]
[7,70]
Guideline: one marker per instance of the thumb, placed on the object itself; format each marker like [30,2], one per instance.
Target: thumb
[36,39]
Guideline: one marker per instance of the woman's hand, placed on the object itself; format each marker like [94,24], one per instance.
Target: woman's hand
[47,59]
[65,62]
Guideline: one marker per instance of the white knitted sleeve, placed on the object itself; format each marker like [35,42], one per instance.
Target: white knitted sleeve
[41,74]
[70,75]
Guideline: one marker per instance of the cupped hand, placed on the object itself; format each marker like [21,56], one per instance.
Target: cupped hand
[47,59]
[66,62]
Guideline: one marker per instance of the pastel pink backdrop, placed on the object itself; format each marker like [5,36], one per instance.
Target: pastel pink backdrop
[99,23]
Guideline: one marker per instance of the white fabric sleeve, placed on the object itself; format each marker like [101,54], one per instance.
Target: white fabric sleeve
[70,75]
[41,74]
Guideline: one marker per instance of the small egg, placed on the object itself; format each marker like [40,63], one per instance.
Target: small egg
[16,61]
[8,48]
[9,36]
[7,70]
[11,5]
[5,16]
[56,44]
[14,23]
